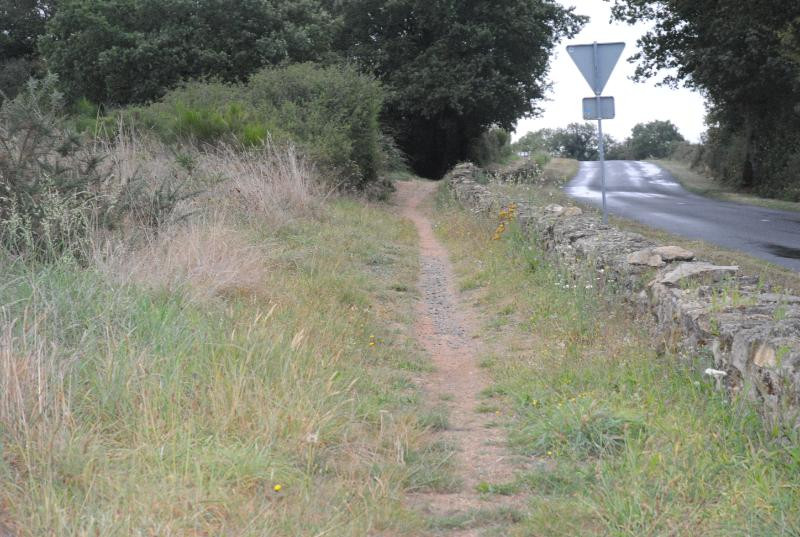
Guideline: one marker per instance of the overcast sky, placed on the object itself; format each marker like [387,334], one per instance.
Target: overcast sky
[635,102]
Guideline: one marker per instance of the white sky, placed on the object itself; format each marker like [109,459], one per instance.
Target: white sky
[635,102]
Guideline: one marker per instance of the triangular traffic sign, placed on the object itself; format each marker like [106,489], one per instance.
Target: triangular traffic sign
[584,58]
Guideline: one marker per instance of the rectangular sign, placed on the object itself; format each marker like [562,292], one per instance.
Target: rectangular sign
[606,110]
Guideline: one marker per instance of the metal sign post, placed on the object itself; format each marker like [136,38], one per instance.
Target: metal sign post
[595,62]
[601,149]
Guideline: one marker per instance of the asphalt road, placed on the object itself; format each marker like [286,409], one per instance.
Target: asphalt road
[646,193]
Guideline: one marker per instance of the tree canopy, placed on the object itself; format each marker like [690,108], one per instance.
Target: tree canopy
[21,24]
[453,69]
[652,140]
[735,53]
[131,51]
[576,140]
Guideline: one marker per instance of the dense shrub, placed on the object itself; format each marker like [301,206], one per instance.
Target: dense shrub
[49,180]
[493,146]
[331,112]
[57,186]
[767,167]
[687,152]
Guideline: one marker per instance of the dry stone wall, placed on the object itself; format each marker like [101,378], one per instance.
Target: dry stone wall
[752,333]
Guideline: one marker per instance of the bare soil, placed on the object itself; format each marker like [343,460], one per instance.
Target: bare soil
[447,328]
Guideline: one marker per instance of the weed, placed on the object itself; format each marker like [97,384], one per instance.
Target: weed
[504,489]
[475,519]
[435,419]
[430,469]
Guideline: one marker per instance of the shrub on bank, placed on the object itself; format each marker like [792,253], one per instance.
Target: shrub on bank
[51,181]
[331,112]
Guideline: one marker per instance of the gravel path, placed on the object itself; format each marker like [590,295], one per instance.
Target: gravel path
[447,328]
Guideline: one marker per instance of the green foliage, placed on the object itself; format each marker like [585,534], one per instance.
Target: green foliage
[14,73]
[687,152]
[576,140]
[50,180]
[492,147]
[579,141]
[332,112]
[453,69]
[533,142]
[740,55]
[130,51]
[21,23]
[56,187]
[652,140]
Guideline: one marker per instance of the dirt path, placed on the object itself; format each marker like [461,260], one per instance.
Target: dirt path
[448,328]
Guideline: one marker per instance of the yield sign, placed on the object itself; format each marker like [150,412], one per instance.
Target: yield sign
[596,61]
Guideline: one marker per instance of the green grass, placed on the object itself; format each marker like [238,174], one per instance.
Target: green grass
[560,170]
[130,408]
[704,185]
[478,518]
[622,441]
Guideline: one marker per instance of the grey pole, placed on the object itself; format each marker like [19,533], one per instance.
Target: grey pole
[600,142]
[601,147]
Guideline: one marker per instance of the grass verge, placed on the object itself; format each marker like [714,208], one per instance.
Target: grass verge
[257,385]
[621,441]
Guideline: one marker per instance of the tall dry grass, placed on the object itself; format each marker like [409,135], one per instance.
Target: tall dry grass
[203,250]
[273,183]
[167,386]
[204,258]
[32,385]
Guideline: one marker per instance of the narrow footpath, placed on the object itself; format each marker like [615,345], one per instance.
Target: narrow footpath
[447,328]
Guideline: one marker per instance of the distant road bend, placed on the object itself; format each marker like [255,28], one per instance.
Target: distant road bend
[646,193]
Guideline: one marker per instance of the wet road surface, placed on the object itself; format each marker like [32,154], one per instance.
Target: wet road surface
[646,193]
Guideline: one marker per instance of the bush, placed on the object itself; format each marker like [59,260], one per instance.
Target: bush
[687,152]
[492,147]
[757,155]
[57,187]
[51,181]
[331,112]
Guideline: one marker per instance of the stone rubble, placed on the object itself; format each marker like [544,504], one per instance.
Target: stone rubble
[700,309]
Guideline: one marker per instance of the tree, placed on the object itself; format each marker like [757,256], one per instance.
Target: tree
[132,51]
[533,141]
[576,140]
[21,24]
[652,140]
[732,51]
[453,69]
